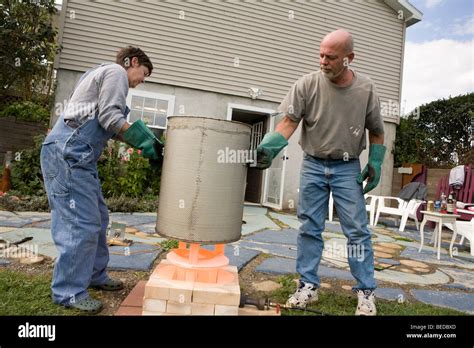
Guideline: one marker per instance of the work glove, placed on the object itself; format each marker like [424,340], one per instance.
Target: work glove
[140,137]
[373,169]
[269,148]
[156,164]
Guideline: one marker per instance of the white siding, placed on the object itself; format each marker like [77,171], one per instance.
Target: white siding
[198,51]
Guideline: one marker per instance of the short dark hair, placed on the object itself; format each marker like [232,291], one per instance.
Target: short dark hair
[125,55]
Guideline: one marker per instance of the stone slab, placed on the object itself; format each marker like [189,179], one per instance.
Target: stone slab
[238,256]
[460,301]
[286,236]
[269,248]
[287,219]
[430,256]
[460,277]
[137,257]
[390,294]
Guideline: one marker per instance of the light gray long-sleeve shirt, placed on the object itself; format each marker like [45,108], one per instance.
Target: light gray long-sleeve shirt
[105,90]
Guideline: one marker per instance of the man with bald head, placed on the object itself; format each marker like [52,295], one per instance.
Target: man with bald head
[336,105]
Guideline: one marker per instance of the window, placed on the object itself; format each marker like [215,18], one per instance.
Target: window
[151,108]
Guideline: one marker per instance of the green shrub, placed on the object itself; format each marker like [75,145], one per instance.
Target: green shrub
[26,174]
[123,176]
[147,204]
[126,173]
[26,111]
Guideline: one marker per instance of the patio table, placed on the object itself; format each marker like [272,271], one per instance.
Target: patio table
[439,219]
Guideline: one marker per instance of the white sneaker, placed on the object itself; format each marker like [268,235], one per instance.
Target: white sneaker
[304,295]
[366,303]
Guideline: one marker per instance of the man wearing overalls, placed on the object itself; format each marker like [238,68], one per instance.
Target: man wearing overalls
[336,105]
[96,112]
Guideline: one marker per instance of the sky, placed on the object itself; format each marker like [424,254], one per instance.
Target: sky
[439,52]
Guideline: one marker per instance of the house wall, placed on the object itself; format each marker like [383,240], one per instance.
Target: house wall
[275,42]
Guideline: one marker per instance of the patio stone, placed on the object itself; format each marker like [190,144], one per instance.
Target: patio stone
[132,219]
[406,270]
[280,265]
[391,245]
[347,287]
[145,240]
[269,248]
[430,256]
[42,241]
[6,229]
[382,238]
[237,255]
[8,219]
[328,235]
[334,227]
[32,260]
[287,219]
[138,257]
[146,228]
[460,301]
[421,270]
[383,249]
[383,255]
[325,285]
[277,265]
[285,236]
[388,261]
[412,263]
[398,277]
[330,272]
[256,223]
[43,224]
[254,210]
[462,277]
[390,294]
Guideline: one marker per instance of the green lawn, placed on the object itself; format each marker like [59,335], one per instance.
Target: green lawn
[341,302]
[22,294]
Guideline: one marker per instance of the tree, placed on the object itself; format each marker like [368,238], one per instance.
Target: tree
[441,129]
[27,45]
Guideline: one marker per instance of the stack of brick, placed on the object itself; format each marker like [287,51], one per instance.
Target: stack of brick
[165,295]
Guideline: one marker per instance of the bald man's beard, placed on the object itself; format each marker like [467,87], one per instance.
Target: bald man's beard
[331,74]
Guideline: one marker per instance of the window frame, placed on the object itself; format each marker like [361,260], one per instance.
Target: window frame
[146,94]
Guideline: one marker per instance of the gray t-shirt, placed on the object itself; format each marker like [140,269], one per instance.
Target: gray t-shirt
[105,90]
[334,118]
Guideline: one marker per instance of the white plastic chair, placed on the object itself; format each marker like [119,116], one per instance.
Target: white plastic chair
[465,229]
[368,207]
[404,210]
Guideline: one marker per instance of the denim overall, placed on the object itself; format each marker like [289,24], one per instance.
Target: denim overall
[79,215]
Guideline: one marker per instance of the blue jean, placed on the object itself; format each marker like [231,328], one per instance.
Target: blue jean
[79,215]
[318,178]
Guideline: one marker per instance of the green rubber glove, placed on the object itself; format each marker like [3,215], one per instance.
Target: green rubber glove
[269,148]
[373,169]
[140,137]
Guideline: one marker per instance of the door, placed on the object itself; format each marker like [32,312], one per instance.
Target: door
[253,192]
[275,175]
